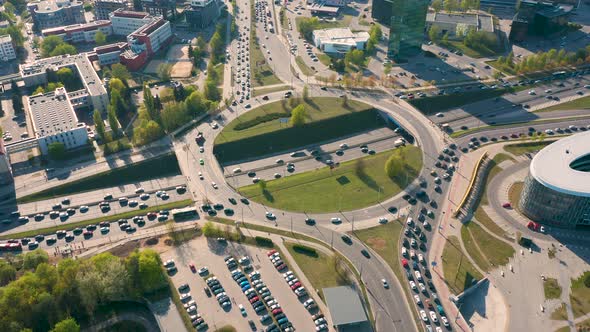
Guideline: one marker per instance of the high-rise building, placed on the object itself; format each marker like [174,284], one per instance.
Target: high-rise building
[202,13]
[165,8]
[55,13]
[7,52]
[103,8]
[407,23]
[406,28]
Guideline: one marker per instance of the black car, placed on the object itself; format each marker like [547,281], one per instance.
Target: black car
[365,253]
[232,200]
[310,221]
[265,98]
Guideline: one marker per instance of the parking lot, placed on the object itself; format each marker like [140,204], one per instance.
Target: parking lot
[210,253]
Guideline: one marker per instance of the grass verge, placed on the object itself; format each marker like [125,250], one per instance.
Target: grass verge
[487,251]
[304,67]
[459,273]
[580,295]
[262,73]
[583,326]
[109,218]
[352,185]
[514,193]
[470,52]
[263,91]
[525,147]
[582,103]
[322,270]
[482,217]
[551,288]
[560,313]
[149,169]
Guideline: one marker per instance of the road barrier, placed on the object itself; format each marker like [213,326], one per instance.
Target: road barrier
[471,184]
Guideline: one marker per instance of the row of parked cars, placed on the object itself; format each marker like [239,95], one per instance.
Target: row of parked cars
[189,304]
[300,292]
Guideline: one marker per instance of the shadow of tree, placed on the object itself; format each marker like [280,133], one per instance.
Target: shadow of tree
[268,196]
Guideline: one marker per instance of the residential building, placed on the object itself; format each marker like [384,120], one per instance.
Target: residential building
[80,33]
[539,18]
[164,8]
[54,120]
[93,95]
[459,23]
[406,28]
[340,40]
[103,8]
[202,13]
[55,13]
[7,51]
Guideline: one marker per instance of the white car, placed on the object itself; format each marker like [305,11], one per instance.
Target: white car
[336,220]
[214,185]
[344,146]
[382,220]
[420,259]
[433,316]
[410,221]
[418,275]
[439,115]
[385,284]
[423,315]
[444,320]
[413,285]
[417,299]
[201,176]
[270,215]
[185,297]
[422,287]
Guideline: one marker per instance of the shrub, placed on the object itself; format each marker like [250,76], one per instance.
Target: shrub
[305,250]
[264,241]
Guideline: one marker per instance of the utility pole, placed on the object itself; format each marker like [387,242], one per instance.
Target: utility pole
[332,241]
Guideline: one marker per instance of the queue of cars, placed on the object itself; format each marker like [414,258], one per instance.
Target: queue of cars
[187,300]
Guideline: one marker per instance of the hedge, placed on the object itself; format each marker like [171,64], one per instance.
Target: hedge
[264,241]
[305,250]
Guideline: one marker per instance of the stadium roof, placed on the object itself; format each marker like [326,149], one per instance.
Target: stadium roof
[564,166]
[345,305]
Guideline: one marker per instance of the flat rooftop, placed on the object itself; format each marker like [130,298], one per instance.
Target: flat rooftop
[564,165]
[482,22]
[5,39]
[341,35]
[345,305]
[49,6]
[52,113]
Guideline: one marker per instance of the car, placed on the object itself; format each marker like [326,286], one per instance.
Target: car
[365,253]
[310,221]
[385,283]
[423,315]
[444,321]
[413,285]
[201,161]
[433,317]
[270,215]
[346,239]
[507,205]
[382,220]
[203,271]
[335,220]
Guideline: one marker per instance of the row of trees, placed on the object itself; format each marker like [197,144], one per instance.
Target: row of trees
[176,114]
[544,60]
[375,35]
[55,45]
[198,51]
[454,5]
[45,296]
[119,92]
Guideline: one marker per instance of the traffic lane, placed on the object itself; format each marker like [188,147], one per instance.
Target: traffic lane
[94,212]
[352,142]
[96,196]
[304,165]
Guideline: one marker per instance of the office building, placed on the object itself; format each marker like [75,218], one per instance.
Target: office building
[346,309]
[80,33]
[406,28]
[381,11]
[7,51]
[202,13]
[54,120]
[557,189]
[56,13]
[539,19]
[103,8]
[164,8]
[340,40]
[452,22]
[93,95]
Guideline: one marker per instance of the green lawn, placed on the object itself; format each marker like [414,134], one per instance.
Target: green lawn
[263,91]
[526,147]
[500,157]
[340,22]
[109,218]
[492,251]
[321,270]
[580,296]
[501,67]
[470,52]
[324,58]
[261,131]
[560,314]
[435,104]
[514,193]
[551,288]
[261,70]
[582,103]
[304,67]
[341,189]
[153,168]
[482,217]
[458,271]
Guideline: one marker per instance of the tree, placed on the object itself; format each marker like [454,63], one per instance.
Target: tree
[344,100]
[66,77]
[117,103]
[164,71]
[356,57]
[39,90]
[118,85]
[120,71]
[99,124]
[66,325]
[437,5]
[7,271]
[211,91]
[217,46]
[113,121]
[395,163]
[100,38]
[434,33]
[445,39]
[451,5]
[298,115]
[33,258]
[49,44]
[56,150]
[151,277]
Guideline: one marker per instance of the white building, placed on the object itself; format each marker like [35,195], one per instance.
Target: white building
[7,52]
[80,33]
[340,40]
[92,95]
[54,120]
[126,22]
[459,23]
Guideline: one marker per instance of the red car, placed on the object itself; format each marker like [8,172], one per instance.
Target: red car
[192,267]
[507,205]
[296,285]
[535,227]
[282,266]
[271,252]
[405,263]
[152,215]
[277,311]
[254,299]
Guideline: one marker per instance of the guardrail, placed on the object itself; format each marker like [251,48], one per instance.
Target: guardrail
[471,183]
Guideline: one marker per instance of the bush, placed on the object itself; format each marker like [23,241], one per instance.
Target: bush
[264,241]
[305,250]
[260,119]
[587,280]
